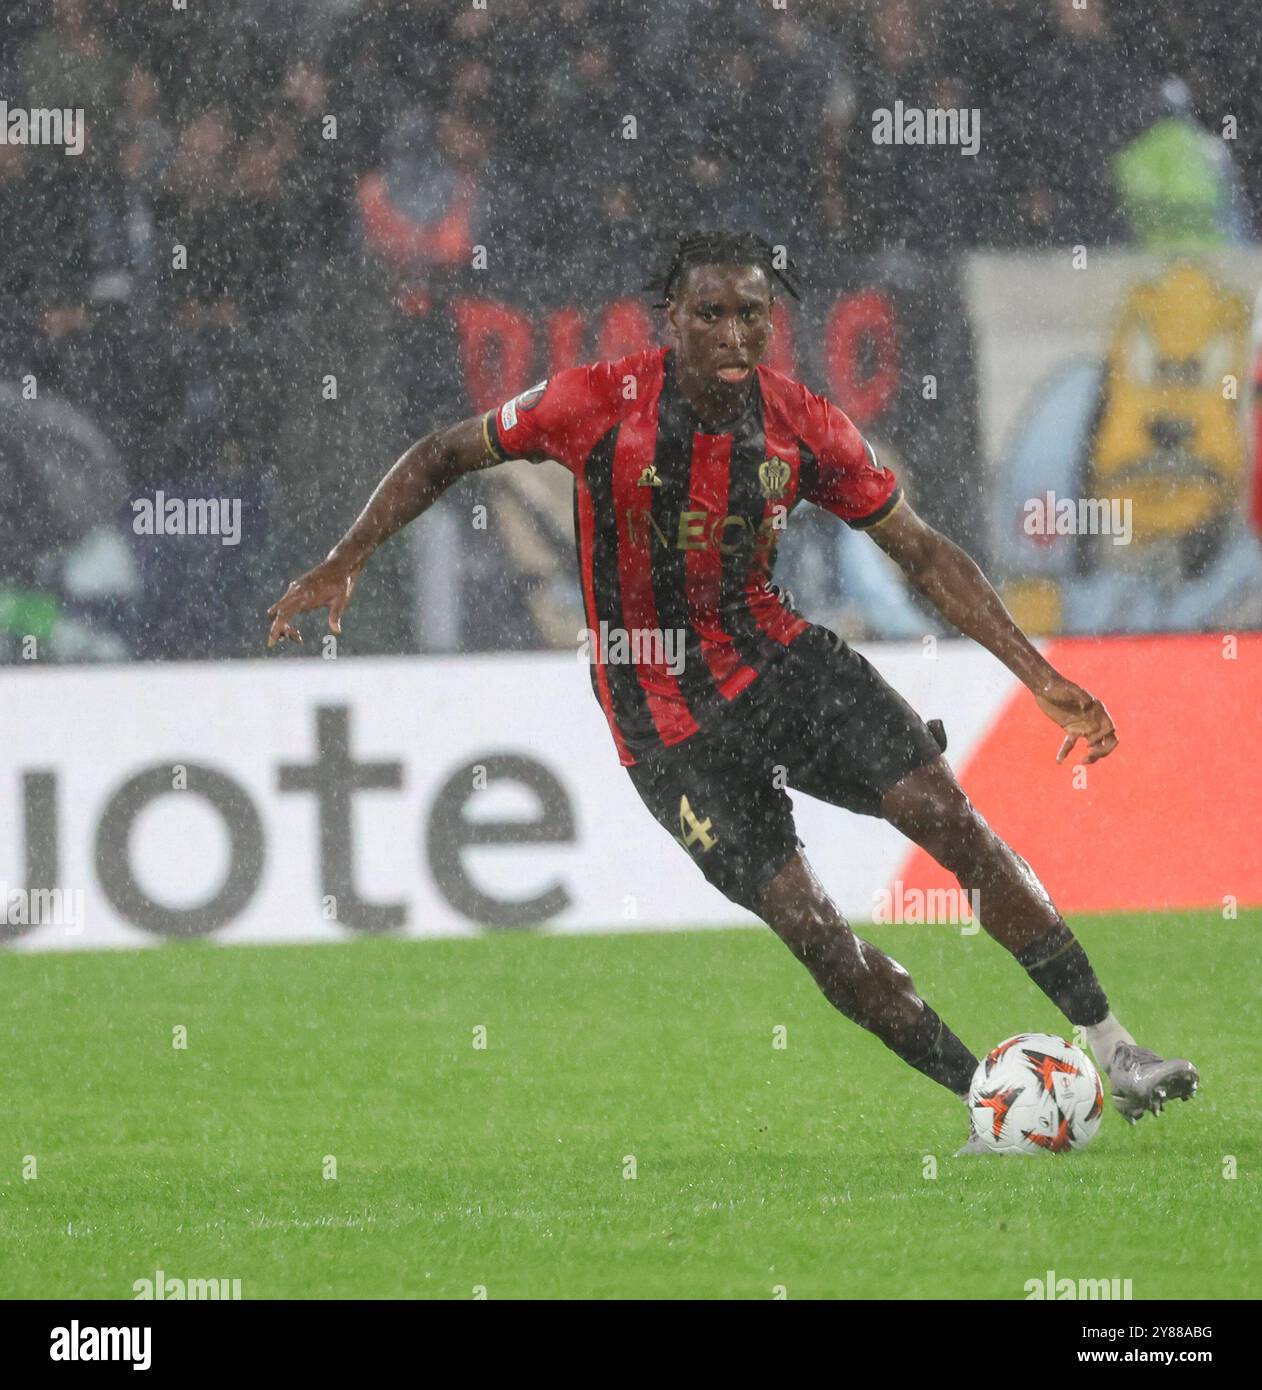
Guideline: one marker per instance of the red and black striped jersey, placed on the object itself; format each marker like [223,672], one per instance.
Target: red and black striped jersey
[677,527]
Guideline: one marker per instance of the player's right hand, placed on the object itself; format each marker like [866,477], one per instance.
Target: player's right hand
[1081,716]
[330,585]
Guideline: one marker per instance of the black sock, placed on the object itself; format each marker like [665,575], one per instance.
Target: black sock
[1059,966]
[937,1053]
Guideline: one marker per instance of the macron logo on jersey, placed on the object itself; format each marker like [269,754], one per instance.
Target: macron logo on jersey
[526,401]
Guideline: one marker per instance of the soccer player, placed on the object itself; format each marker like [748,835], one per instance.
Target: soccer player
[687,462]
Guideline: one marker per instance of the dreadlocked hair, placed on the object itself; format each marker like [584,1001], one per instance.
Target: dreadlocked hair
[722,248]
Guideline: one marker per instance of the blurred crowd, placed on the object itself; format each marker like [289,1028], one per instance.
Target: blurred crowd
[560,134]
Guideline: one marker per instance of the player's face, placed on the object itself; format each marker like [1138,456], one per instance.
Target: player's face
[721,324]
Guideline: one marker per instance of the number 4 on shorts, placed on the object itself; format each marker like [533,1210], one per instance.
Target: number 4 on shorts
[692,830]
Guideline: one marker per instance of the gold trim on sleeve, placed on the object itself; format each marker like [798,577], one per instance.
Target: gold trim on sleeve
[902,497]
[486,435]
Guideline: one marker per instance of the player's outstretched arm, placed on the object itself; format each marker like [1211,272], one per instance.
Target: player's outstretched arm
[416,481]
[957,588]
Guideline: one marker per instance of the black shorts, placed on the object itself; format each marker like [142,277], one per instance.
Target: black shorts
[822,721]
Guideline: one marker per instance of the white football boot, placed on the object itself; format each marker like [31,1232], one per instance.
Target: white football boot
[1142,1082]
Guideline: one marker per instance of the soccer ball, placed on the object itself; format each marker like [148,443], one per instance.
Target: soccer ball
[1035,1093]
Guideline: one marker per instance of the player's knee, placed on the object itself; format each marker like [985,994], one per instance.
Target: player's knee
[892,977]
[817,934]
[814,932]
[877,985]
[966,839]
[945,823]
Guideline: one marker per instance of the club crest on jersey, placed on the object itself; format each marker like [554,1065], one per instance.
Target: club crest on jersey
[773,476]
[649,477]
[526,401]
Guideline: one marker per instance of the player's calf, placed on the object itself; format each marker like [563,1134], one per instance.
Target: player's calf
[931,808]
[862,982]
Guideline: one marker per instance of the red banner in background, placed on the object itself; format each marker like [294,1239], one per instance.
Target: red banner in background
[859,347]
[1172,818]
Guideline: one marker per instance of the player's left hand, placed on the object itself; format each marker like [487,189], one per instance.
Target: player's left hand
[1081,715]
[330,585]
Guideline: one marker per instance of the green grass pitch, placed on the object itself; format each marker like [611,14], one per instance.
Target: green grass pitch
[801,1169]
